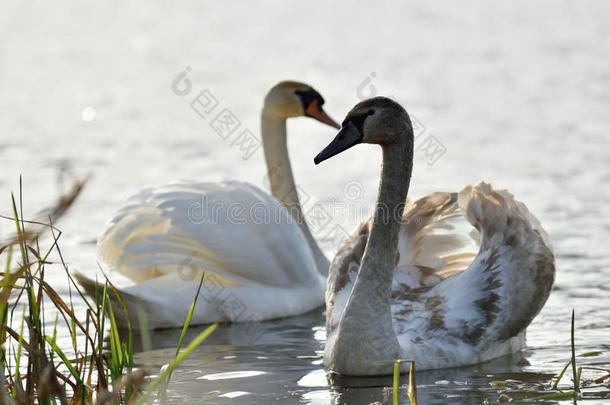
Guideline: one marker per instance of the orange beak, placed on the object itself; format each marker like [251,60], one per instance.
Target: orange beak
[315,111]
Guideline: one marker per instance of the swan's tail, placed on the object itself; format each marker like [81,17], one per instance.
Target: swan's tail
[125,309]
[91,287]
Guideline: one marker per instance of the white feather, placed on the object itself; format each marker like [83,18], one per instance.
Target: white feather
[164,239]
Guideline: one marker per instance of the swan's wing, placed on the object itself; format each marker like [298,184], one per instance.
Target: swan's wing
[499,293]
[433,243]
[232,229]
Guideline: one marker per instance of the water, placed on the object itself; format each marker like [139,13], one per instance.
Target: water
[517,94]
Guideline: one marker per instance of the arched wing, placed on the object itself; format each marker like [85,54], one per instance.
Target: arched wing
[500,292]
[434,242]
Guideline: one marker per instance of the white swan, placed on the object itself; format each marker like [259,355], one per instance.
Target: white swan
[259,258]
[407,286]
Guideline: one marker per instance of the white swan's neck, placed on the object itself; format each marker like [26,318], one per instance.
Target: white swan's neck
[365,334]
[283,187]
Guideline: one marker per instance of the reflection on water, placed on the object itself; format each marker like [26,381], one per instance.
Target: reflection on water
[284,365]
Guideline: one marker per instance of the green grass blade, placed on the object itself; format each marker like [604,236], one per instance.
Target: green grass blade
[65,360]
[55,338]
[396,383]
[575,377]
[102,318]
[177,360]
[411,391]
[561,375]
[189,316]
[19,232]
[19,346]
[187,322]
[117,359]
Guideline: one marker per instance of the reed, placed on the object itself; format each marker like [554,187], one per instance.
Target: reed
[578,385]
[412,387]
[98,364]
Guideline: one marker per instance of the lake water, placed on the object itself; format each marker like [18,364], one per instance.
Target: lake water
[516,94]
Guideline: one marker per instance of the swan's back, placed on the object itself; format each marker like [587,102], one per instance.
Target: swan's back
[234,230]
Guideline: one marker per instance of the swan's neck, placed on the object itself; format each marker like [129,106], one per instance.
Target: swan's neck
[283,187]
[365,333]
[377,267]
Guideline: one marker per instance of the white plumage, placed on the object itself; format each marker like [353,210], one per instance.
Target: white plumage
[165,238]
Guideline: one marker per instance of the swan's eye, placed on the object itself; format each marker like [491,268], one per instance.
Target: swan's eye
[307,96]
[358,119]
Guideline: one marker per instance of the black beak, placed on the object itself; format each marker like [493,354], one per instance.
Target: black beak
[347,137]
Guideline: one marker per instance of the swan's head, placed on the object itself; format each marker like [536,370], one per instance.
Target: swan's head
[289,99]
[378,120]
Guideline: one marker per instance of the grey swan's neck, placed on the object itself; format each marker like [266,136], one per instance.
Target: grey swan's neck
[365,334]
[281,179]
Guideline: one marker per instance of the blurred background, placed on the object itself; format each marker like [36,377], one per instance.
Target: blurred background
[516,94]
